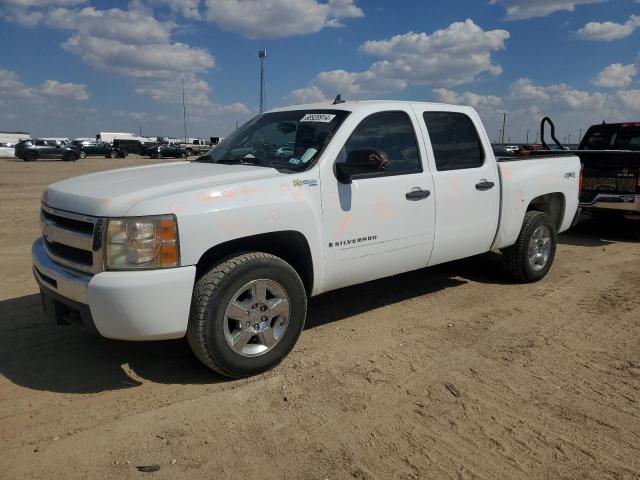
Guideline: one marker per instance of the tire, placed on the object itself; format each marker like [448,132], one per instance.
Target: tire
[70,157]
[527,265]
[209,328]
[183,155]
[113,155]
[83,154]
[159,156]
[30,157]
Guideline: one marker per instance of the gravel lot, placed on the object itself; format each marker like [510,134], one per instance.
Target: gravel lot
[544,379]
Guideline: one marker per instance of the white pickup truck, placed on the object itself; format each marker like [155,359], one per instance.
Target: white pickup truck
[227,249]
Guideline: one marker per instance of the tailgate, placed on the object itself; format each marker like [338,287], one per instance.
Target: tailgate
[614,172]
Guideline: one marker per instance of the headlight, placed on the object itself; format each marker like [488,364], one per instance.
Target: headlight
[142,243]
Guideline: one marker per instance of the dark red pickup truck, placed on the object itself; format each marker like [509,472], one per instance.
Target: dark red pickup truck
[610,155]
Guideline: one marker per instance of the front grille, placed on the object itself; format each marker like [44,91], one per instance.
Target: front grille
[622,184]
[72,240]
[76,255]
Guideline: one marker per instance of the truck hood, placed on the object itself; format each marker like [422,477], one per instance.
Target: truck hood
[113,193]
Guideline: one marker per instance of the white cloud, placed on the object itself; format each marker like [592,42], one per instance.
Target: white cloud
[28,12]
[467,98]
[609,31]
[455,55]
[71,91]
[630,98]
[616,76]
[279,18]
[522,9]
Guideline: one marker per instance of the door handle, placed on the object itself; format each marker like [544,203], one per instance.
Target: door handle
[418,194]
[485,185]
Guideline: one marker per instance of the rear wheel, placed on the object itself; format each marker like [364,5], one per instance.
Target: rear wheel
[246,314]
[183,155]
[30,157]
[531,257]
[83,154]
[113,154]
[70,157]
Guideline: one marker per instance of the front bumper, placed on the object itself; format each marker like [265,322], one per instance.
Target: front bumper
[132,305]
[623,203]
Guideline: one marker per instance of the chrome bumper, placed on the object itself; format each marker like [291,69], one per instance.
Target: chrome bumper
[605,201]
[50,275]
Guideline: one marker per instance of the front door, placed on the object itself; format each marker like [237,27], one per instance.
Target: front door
[381,225]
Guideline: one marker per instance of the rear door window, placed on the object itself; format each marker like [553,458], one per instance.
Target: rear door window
[455,141]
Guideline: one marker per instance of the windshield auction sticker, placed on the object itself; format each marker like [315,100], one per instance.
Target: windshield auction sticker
[318,117]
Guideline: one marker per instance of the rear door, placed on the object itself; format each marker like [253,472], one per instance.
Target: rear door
[466,185]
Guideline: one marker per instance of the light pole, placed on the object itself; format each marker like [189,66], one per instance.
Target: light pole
[527,136]
[263,99]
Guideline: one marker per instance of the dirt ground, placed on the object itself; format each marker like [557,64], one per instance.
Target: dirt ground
[546,376]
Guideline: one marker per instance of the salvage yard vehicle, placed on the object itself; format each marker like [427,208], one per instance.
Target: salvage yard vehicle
[164,151]
[610,155]
[227,249]
[197,145]
[33,149]
[128,146]
[102,149]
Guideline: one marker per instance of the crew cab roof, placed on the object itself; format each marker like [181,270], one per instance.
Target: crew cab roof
[354,106]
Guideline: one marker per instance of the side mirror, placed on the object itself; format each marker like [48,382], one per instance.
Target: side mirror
[361,163]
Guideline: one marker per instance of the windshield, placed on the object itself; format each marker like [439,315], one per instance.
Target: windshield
[612,137]
[290,140]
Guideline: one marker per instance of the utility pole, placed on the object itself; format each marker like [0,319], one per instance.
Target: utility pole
[499,136]
[184,113]
[527,136]
[263,98]
[504,124]
[569,142]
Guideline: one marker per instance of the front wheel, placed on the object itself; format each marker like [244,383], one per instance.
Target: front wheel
[246,314]
[113,154]
[531,257]
[83,154]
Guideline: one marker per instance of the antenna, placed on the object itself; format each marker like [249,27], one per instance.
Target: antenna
[338,100]
[263,97]
[184,113]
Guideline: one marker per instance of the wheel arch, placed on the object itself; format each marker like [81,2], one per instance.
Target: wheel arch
[289,245]
[553,204]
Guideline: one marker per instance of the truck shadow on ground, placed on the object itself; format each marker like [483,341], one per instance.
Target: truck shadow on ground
[39,355]
[601,231]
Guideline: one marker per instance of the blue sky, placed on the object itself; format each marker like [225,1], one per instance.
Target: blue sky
[73,67]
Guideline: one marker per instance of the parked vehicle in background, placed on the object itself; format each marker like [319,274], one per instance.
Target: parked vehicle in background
[164,151]
[127,146]
[501,151]
[30,150]
[196,146]
[109,137]
[226,249]
[512,148]
[610,155]
[101,149]
[13,137]
[7,150]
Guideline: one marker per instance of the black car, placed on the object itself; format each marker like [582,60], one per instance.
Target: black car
[30,150]
[173,151]
[102,149]
[129,146]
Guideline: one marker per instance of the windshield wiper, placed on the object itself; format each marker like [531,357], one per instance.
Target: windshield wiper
[240,161]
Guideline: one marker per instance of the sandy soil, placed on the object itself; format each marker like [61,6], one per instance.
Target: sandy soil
[548,375]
